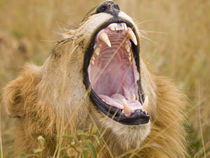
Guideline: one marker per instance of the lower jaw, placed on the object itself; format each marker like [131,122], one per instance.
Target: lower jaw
[137,117]
[120,137]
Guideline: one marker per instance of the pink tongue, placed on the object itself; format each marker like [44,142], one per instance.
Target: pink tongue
[116,100]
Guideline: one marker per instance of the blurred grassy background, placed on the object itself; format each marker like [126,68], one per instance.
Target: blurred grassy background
[176,41]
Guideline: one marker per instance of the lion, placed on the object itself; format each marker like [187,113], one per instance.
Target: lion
[96,75]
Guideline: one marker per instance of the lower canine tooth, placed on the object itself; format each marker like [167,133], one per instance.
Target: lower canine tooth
[132,36]
[104,37]
[126,108]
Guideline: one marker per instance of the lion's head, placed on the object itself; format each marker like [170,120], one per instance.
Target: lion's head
[102,69]
[97,75]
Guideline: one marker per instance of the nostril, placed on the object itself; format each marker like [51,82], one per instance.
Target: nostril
[109,7]
[103,8]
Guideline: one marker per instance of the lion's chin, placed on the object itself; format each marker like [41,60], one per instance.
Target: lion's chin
[127,137]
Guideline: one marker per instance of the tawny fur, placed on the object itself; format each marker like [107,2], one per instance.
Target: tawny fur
[52,101]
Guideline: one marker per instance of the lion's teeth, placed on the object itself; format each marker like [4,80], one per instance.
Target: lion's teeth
[118,27]
[92,62]
[145,104]
[127,110]
[132,36]
[129,58]
[127,47]
[97,51]
[104,37]
[113,26]
[133,97]
[121,26]
[125,26]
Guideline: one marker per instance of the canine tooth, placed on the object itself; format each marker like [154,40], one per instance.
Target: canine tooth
[127,110]
[132,36]
[145,104]
[97,51]
[104,37]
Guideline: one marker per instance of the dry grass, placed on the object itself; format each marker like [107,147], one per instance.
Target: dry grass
[175,40]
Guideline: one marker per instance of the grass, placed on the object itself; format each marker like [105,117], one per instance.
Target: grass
[175,40]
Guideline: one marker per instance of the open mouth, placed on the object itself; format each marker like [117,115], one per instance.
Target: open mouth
[112,74]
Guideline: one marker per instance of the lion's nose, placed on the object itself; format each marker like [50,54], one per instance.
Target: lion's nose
[109,7]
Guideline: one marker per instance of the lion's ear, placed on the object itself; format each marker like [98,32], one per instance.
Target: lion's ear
[13,99]
[18,90]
